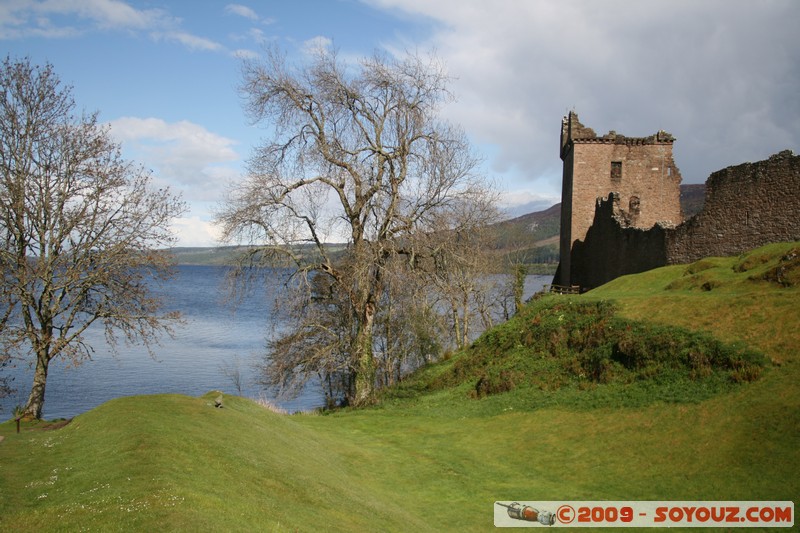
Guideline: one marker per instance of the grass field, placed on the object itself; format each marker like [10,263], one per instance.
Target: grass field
[433,455]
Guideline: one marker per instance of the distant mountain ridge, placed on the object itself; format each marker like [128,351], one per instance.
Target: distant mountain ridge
[531,238]
[693,197]
[547,223]
[213,255]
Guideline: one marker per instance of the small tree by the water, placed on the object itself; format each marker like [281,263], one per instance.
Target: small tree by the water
[78,230]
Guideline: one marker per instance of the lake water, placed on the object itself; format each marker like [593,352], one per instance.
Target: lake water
[214,338]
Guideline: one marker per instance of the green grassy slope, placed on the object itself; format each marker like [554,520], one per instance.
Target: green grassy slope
[169,462]
[434,459]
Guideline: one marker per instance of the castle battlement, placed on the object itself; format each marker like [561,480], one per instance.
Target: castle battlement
[573,132]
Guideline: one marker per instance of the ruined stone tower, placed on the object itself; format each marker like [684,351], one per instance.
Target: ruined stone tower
[640,169]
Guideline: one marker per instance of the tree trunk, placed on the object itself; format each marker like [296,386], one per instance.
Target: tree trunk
[465,320]
[365,362]
[35,405]
[520,273]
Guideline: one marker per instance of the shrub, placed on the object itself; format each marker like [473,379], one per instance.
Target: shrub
[746,373]
[551,345]
[699,266]
[494,383]
[787,272]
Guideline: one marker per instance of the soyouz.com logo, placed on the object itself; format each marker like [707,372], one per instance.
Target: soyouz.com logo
[726,514]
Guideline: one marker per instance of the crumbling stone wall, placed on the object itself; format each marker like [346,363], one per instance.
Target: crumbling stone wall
[613,248]
[641,170]
[746,206]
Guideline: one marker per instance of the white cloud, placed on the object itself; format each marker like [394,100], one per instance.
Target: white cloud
[104,13]
[316,45]
[256,35]
[251,35]
[182,154]
[69,18]
[194,231]
[248,13]
[242,11]
[189,159]
[514,199]
[243,53]
[720,75]
[520,202]
[193,42]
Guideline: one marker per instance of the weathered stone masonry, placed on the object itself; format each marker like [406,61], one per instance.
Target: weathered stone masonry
[641,170]
[746,206]
[612,248]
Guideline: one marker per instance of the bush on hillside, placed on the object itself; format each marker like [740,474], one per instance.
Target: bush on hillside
[550,345]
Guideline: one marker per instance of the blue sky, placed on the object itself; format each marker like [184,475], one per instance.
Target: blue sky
[720,75]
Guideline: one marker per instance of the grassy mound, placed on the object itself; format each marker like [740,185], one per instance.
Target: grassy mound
[610,422]
[736,298]
[174,463]
[556,343]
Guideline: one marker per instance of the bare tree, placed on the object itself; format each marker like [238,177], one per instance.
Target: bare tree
[410,331]
[5,389]
[460,268]
[233,371]
[78,230]
[316,323]
[358,155]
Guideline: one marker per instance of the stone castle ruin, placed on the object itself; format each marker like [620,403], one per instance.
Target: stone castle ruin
[620,206]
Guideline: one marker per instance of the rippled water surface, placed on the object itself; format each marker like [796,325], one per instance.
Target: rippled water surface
[215,337]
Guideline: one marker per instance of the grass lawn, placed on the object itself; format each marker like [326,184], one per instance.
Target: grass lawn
[435,459]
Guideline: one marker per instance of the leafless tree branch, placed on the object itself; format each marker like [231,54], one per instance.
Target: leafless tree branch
[78,229]
[358,156]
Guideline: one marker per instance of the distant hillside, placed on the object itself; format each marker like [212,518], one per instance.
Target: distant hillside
[692,199]
[228,255]
[536,234]
[219,255]
[535,227]
[531,238]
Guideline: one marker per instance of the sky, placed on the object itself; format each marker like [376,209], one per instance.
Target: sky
[722,76]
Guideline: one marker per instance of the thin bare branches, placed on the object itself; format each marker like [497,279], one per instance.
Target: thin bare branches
[358,156]
[78,226]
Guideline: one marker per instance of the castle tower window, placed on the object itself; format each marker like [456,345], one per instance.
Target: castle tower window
[616,170]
